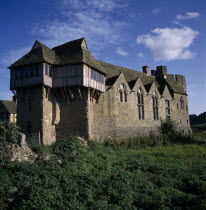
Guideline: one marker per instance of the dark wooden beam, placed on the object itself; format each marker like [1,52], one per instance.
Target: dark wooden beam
[67,97]
[71,94]
[95,93]
[56,96]
[14,92]
[80,94]
[92,94]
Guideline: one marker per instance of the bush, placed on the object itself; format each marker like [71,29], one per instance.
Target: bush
[168,130]
[100,177]
[8,135]
[9,132]
[32,140]
[68,148]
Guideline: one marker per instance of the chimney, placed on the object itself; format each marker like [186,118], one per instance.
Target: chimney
[145,70]
[161,71]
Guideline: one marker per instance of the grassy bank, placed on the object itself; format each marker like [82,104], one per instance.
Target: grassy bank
[109,176]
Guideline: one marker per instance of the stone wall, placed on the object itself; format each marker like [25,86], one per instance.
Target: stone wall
[88,117]
[48,126]
[111,118]
[30,110]
[74,116]
[181,116]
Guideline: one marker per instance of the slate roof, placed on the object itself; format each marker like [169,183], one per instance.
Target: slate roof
[131,76]
[43,54]
[9,105]
[68,53]
[75,52]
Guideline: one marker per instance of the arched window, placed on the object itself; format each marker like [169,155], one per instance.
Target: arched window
[122,94]
[140,104]
[182,103]
[155,107]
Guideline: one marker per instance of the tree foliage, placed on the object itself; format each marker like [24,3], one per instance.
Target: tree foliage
[8,135]
[168,130]
[198,119]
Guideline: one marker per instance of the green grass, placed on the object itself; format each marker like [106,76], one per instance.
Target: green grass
[109,177]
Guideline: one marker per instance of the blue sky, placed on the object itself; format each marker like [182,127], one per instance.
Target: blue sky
[129,33]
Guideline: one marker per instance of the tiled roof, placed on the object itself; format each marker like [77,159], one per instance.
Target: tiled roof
[42,54]
[9,105]
[68,53]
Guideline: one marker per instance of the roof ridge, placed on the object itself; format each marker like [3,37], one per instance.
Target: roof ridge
[72,41]
[43,46]
[124,68]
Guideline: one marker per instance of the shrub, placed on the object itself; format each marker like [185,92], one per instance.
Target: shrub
[9,132]
[168,130]
[8,135]
[32,140]
[100,177]
[68,148]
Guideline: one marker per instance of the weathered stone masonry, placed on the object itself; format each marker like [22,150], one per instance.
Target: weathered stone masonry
[65,91]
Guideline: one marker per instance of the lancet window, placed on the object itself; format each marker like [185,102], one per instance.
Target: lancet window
[155,107]
[140,104]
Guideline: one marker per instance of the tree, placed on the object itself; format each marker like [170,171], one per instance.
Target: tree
[168,129]
[8,135]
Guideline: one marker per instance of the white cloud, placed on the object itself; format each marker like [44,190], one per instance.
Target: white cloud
[97,29]
[121,52]
[140,55]
[169,43]
[188,15]
[101,5]
[91,19]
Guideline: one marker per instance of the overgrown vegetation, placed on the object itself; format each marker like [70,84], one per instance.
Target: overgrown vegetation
[8,135]
[127,175]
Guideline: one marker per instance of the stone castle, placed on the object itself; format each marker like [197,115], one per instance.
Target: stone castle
[66,91]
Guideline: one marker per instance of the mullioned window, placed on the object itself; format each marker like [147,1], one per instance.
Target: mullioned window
[122,93]
[155,107]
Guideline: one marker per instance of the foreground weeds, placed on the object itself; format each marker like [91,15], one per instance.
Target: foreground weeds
[114,175]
